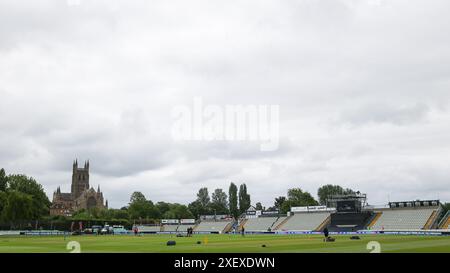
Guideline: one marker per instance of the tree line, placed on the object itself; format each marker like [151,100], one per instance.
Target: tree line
[235,203]
[23,199]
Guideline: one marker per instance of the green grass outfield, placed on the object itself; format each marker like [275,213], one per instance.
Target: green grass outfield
[224,243]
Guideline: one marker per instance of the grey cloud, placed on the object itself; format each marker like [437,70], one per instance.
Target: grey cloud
[362,90]
[386,113]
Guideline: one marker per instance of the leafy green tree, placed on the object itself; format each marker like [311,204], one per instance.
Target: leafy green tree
[297,198]
[3,180]
[178,211]
[203,198]
[327,190]
[107,214]
[285,207]
[258,206]
[97,213]
[233,200]
[153,212]
[202,205]
[29,186]
[195,208]
[219,202]
[120,213]
[244,199]
[139,210]
[446,207]
[82,214]
[279,201]
[18,207]
[137,197]
[139,207]
[162,207]
[3,200]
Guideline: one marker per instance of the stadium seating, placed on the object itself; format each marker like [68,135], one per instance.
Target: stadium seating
[279,224]
[10,232]
[169,228]
[183,228]
[431,220]
[262,223]
[242,223]
[398,219]
[228,227]
[149,228]
[211,226]
[375,217]
[445,224]
[305,221]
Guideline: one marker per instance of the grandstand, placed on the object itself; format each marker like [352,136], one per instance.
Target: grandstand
[350,214]
[148,229]
[341,222]
[164,228]
[262,224]
[445,222]
[213,226]
[169,228]
[183,228]
[403,218]
[304,221]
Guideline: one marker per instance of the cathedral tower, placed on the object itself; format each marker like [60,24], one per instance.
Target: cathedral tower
[81,195]
[80,179]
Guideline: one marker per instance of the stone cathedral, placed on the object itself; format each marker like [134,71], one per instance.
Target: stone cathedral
[82,196]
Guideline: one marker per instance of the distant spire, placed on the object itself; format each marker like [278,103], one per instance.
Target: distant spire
[98,189]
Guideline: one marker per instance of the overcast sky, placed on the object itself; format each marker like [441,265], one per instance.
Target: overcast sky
[363,88]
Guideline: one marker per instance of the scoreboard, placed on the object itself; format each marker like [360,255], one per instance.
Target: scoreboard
[348,206]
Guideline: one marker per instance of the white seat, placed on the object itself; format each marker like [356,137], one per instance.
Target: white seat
[207,226]
[403,219]
[262,223]
[305,221]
